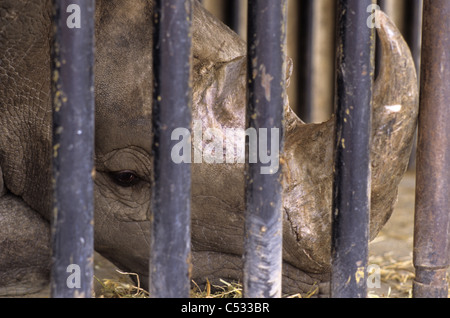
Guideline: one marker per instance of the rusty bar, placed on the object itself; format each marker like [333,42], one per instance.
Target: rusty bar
[432,214]
[266,95]
[73,148]
[351,186]
[170,218]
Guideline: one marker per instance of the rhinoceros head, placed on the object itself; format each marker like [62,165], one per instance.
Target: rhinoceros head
[219,97]
[123,157]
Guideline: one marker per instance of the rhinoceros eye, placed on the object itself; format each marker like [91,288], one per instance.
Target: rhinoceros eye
[125,178]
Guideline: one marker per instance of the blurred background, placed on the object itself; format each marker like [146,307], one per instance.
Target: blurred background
[311,30]
[311,45]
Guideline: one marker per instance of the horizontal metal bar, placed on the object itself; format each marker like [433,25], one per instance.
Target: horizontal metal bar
[170,239]
[266,93]
[73,148]
[351,186]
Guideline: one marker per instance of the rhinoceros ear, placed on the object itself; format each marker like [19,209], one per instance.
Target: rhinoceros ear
[213,40]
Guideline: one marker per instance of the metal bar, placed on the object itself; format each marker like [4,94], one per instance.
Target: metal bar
[170,239]
[382,5]
[351,186]
[266,94]
[233,15]
[323,59]
[432,215]
[414,32]
[413,37]
[73,148]
[306,60]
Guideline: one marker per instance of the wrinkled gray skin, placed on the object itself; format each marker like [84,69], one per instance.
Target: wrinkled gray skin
[123,143]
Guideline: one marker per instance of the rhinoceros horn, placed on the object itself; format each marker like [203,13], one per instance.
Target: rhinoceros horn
[218,190]
[309,157]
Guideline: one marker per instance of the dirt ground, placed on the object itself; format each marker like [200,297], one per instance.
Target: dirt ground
[393,247]
[391,251]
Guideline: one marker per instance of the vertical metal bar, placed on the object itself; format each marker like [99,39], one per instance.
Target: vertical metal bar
[305,72]
[351,187]
[266,94]
[170,240]
[382,5]
[73,148]
[413,36]
[323,59]
[233,15]
[432,215]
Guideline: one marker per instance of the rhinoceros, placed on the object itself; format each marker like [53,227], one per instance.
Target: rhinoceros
[123,157]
